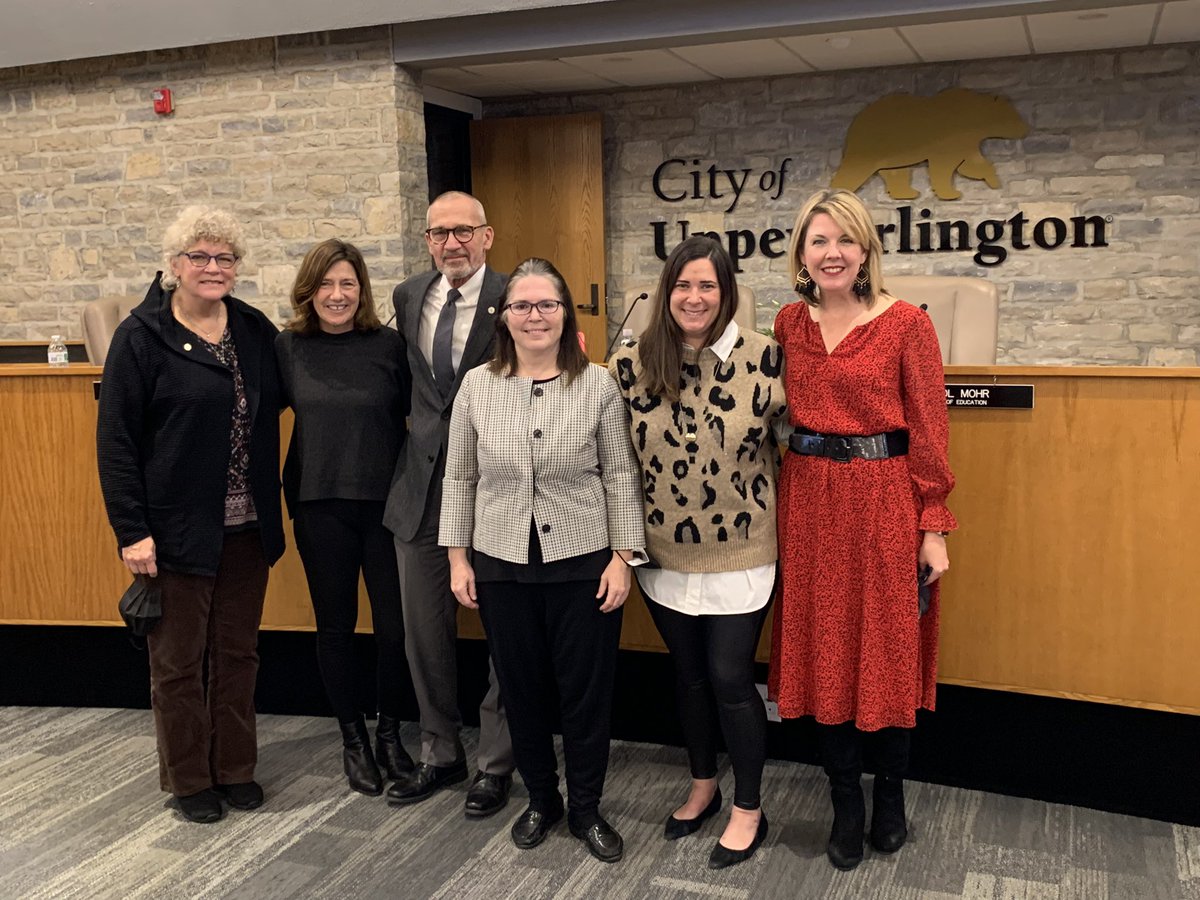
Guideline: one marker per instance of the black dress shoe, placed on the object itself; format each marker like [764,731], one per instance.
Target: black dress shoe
[722,857]
[533,825]
[393,759]
[487,795]
[202,807]
[677,828]
[243,795]
[601,839]
[424,781]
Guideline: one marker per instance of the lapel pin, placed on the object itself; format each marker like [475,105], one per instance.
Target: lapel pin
[491,310]
[187,346]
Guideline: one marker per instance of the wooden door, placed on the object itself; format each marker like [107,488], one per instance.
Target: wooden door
[541,181]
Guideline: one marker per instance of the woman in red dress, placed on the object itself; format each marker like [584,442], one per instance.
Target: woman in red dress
[862,515]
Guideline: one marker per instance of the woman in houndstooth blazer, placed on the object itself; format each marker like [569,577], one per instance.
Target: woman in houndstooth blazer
[541,482]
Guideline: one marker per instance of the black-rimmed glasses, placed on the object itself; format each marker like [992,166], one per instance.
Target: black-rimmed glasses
[462,233]
[522,308]
[200,260]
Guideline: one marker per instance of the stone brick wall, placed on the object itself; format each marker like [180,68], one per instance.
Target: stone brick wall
[303,137]
[1111,134]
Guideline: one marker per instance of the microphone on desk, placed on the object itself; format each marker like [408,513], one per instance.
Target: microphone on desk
[621,327]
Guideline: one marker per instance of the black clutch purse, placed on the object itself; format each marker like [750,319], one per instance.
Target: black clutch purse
[141,606]
[924,591]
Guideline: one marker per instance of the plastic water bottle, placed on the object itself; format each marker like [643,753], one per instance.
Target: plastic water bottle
[57,354]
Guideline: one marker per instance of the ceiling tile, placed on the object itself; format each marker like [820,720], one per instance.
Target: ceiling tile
[852,49]
[1180,22]
[977,39]
[1096,29]
[542,75]
[636,68]
[470,84]
[744,59]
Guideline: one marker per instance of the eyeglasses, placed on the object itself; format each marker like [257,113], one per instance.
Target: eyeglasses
[200,260]
[462,233]
[545,307]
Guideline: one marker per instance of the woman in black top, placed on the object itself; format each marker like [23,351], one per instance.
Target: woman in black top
[346,378]
[187,444]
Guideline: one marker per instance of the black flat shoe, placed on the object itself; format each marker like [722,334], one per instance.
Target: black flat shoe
[722,857]
[487,796]
[202,807]
[244,795]
[425,781]
[532,827]
[602,840]
[677,828]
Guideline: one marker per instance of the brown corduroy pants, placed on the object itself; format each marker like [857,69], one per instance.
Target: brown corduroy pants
[206,733]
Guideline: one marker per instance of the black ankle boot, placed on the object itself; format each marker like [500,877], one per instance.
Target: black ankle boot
[845,848]
[361,771]
[393,759]
[889,830]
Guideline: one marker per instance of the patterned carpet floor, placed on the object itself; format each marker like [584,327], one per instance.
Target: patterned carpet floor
[81,817]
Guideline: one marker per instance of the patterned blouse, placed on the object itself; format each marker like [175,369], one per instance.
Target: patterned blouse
[239,502]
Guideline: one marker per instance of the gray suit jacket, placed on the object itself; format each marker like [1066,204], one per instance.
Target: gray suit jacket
[553,454]
[422,460]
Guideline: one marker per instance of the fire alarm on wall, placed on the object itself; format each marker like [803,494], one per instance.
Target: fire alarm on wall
[162,102]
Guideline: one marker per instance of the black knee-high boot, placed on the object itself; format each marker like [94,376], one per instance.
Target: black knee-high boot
[841,754]
[889,828]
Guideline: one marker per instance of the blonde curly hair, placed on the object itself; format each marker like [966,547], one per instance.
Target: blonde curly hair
[199,223]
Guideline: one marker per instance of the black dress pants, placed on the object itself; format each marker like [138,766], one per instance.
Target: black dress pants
[553,648]
[714,686]
[337,539]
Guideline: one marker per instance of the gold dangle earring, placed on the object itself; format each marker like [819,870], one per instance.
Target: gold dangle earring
[862,282]
[805,286]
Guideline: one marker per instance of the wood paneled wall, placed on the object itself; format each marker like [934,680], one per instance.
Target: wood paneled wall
[1073,573]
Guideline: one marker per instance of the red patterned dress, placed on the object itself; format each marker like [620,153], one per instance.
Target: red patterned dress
[848,642]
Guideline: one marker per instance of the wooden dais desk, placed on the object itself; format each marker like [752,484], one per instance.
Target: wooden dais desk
[1074,572]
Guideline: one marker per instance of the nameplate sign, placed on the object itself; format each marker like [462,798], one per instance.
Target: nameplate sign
[990,396]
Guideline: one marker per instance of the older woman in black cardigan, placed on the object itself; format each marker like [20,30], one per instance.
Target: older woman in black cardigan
[188,451]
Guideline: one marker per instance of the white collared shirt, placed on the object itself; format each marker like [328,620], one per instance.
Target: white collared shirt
[723,345]
[435,299]
[711,593]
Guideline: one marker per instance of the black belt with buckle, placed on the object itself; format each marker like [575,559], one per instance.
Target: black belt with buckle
[845,447]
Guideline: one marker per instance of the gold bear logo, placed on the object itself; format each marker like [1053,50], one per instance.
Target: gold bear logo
[900,131]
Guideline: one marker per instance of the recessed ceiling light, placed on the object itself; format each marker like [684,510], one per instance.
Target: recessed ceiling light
[841,42]
[1091,16]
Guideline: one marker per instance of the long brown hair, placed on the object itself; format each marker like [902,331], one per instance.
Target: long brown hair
[660,348]
[317,262]
[571,358]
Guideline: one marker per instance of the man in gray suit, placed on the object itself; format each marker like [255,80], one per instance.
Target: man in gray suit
[448,319]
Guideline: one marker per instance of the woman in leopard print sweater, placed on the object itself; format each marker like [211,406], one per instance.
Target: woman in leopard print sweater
[703,398]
